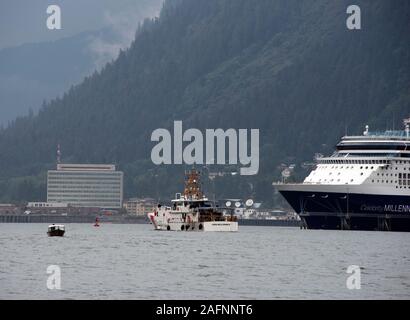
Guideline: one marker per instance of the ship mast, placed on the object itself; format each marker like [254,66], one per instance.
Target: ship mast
[192,188]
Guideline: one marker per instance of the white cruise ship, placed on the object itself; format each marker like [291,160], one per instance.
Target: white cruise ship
[363,185]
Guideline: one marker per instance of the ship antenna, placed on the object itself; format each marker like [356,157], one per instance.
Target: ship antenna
[407,126]
[366,132]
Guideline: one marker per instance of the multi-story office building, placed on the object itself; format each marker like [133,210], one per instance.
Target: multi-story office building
[86,185]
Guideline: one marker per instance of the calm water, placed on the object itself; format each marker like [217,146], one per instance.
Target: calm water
[135,262]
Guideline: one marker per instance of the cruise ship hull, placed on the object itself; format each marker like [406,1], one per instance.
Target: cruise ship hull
[344,210]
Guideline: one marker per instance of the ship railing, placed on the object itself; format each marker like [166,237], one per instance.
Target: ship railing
[375,135]
[297,183]
[388,133]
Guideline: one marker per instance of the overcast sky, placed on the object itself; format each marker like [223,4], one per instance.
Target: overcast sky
[23,21]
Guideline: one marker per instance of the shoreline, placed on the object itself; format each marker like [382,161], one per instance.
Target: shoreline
[125,219]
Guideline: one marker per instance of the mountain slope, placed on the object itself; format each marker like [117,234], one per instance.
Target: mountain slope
[290,68]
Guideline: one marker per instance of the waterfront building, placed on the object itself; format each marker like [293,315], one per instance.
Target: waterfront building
[86,185]
[136,206]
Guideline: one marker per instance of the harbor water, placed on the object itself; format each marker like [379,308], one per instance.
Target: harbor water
[132,261]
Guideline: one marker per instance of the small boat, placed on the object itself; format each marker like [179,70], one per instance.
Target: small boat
[56,230]
[96,224]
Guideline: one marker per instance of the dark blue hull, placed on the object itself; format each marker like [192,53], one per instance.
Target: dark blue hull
[339,211]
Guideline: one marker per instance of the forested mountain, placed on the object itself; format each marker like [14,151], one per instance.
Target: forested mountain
[32,73]
[37,64]
[288,67]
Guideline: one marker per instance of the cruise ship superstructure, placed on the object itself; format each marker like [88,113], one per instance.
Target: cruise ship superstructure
[363,185]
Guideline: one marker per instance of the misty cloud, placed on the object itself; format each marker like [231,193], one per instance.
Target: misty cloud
[120,32]
[92,34]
